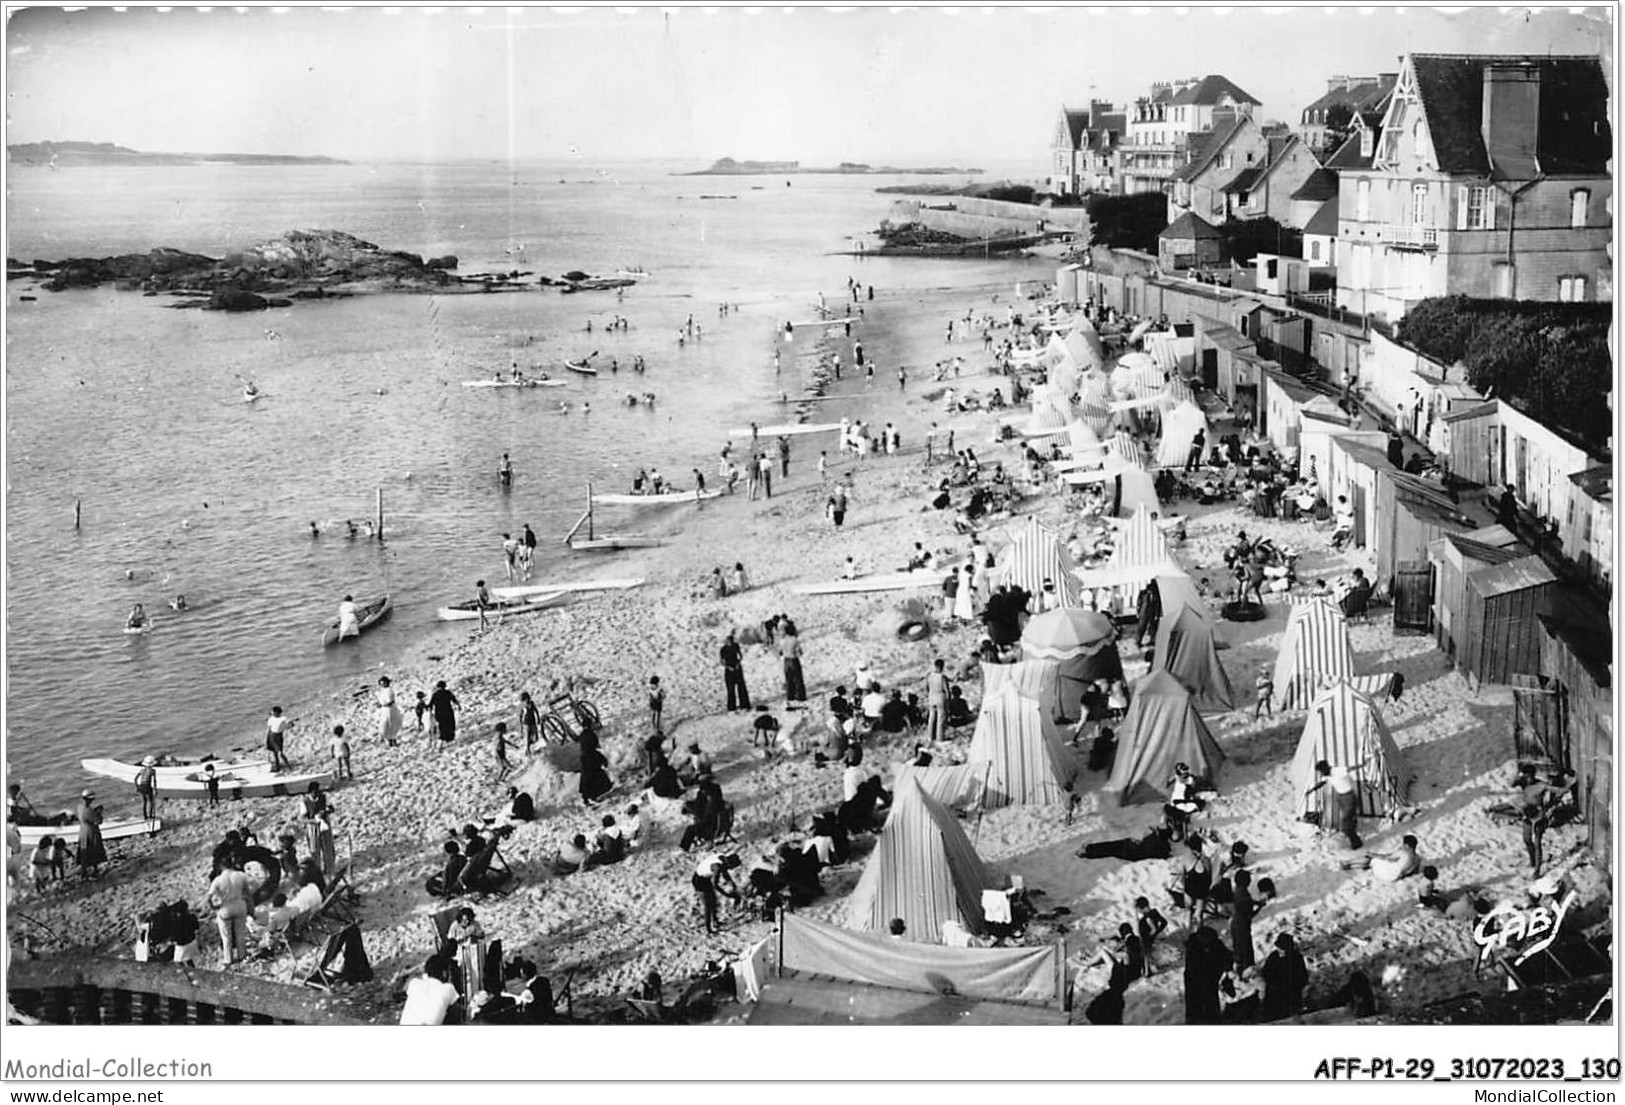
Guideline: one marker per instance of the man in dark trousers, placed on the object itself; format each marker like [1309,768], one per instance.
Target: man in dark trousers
[784,456]
[1193,460]
[733,675]
[1149,609]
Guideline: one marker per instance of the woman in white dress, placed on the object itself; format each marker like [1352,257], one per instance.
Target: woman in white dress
[964,603]
[389,714]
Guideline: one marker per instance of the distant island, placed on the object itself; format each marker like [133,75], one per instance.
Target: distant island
[727,166]
[106,153]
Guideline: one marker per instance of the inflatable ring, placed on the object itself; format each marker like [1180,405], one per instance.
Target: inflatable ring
[913,630]
[1244,612]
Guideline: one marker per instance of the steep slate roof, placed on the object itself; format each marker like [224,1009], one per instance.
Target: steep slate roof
[1104,130]
[1204,146]
[1191,226]
[1319,186]
[1243,182]
[1077,122]
[1597,482]
[1348,156]
[1361,97]
[1210,88]
[1323,221]
[1574,136]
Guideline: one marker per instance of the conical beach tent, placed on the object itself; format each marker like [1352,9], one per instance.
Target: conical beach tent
[1345,728]
[1161,729]
[1035,555]
[1314,648]
[1084,346]
[1139,543]
[1030,765]
[1176,392]
[1179,428]
[1084,642]
[923,870]
[1187,651]
[1095,402]
[1039,680]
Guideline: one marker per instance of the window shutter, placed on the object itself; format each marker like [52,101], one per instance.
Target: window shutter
[1462,198]
[1489,208]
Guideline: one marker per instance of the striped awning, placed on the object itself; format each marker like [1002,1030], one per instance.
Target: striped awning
[1314,647]
[1345,728]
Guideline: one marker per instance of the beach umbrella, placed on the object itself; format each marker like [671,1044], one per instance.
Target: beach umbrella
[1066,633]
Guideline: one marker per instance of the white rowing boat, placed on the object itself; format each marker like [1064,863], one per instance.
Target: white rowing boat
[244,783]
[582,367]
[528,589]
[502,608]
[116,829]
[896,581]
[610,544]
[667,498]
[175,768]
[514,383]
[789,429]
[825,322]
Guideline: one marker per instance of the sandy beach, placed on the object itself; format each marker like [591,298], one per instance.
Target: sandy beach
[610,925]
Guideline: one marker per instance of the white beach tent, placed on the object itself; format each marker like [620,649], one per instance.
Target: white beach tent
[1034,555]
[1179,428]
[1138,375]
[1085,347]
[1030,765]
[1314,648]
[1345,728]
[1039,680]
[1046,420]
[1175,392]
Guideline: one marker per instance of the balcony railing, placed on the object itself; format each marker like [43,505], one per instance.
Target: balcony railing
[1409,236]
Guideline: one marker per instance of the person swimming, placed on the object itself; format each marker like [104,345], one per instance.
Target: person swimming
[178,603]
[350,525]
[314,530]
[137,618]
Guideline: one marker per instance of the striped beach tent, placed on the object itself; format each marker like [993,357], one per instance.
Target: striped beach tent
[1188,651]
[1160,346]
[1039,680]
[1175,392]
[1345,728]
[1314,648]
[1123,445]
[957,786]
[1139,543]
[1064,378]
[923,870]
[1161,729]
[1048,419]
[1179,428]
[1137,374]
[1030,764]
[1035,555]
[1084,345]
[1095,403]
[1081,439]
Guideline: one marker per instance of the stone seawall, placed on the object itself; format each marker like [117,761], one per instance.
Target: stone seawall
[978,218]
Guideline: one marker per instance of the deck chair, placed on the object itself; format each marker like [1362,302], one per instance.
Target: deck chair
[724,833]
[487,873]
[338,907]
[648,1012]
[1357,605]
[344,945]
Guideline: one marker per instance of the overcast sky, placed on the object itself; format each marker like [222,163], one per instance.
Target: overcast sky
[819,85]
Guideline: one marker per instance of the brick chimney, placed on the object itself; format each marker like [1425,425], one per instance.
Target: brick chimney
[1097,108]
[1510,124]
[1336,83]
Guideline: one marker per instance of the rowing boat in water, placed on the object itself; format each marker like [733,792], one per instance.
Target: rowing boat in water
[667,498]
[502,608]
[789,429]
[527,589]
[896,581]
[582,367]
[116,829]
[514,383]
[609,544]
[246,783]
[368,614]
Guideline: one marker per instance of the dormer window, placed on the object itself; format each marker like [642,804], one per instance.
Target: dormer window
[1367,139]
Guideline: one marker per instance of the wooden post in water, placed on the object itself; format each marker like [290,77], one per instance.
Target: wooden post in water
[76,508]
[380,514]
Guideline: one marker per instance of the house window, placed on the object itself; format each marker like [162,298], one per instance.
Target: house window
[1362,205]
[1577,207]
[1571,289]
[1272,268]
[1314,250]
[1419,204]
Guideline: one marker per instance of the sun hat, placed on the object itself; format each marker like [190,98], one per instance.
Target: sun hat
[150,761]
[87,794]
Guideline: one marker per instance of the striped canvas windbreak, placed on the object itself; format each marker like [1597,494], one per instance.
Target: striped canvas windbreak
[923,870]
[1345,728]
[1314,648]
[1035,555]
[1029,765]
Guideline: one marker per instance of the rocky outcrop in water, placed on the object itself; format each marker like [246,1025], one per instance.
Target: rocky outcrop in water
[302,264]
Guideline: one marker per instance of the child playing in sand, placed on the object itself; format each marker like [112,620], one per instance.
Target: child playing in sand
[1264,685]
[341,754]
[764,729]
[419,708]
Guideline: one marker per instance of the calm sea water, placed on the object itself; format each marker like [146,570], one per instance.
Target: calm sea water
[136,410]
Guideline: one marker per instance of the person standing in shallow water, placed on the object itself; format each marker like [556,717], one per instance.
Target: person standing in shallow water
[443,705]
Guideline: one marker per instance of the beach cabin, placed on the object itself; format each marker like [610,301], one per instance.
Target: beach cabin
[1500,624]
[1410,514]
[1588,540]
[1495,445]
[1355,460]
[1451,558]
[1274,274]
[1068,285]
[1287,402]
[1576,650]
[1217,347]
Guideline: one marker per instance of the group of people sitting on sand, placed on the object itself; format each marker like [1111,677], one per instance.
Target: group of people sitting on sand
[610,844]
[473,862]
